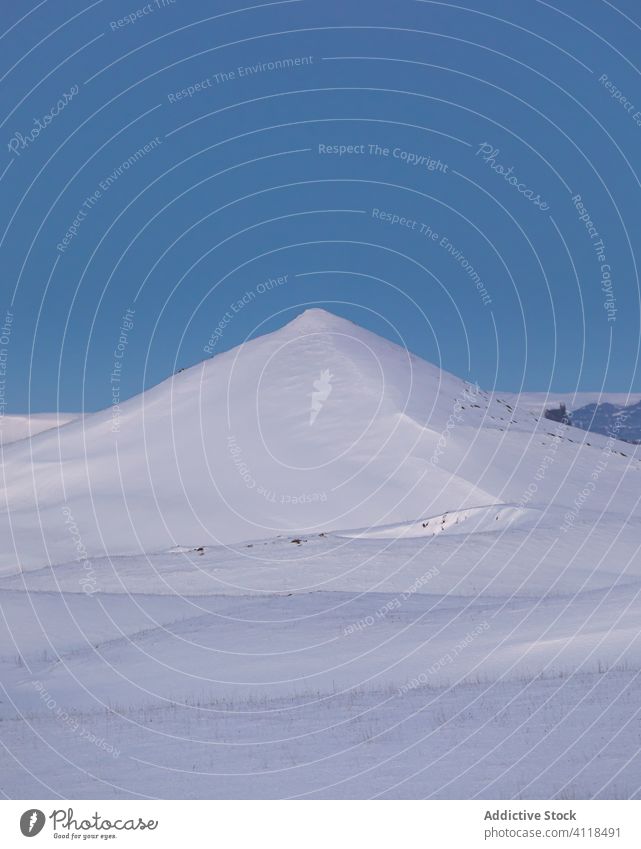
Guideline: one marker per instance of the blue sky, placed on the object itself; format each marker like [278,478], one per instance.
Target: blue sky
[464,177]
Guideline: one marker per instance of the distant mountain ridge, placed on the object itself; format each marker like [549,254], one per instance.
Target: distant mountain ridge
[616,414]
[622,422]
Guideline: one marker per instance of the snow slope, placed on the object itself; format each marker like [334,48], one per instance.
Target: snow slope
[15,427]
[542,738]
[317,566]
[332,667]
[319,426]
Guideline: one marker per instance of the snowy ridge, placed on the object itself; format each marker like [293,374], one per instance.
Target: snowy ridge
[496,517]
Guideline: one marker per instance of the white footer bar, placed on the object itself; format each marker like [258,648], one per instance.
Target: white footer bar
[321,824]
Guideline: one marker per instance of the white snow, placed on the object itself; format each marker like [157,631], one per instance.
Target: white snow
[16,427]
[493,518]
[387,583]
[225,452]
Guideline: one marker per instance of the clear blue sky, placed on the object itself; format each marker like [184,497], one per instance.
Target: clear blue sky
[238,183]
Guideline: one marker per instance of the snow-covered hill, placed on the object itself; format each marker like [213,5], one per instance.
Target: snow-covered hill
[16,427]
[319,566]
[320,426]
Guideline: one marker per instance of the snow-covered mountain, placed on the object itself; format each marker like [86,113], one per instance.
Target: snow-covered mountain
[319,426]
[616,414]
[317,565]
[620,420]
[538,402]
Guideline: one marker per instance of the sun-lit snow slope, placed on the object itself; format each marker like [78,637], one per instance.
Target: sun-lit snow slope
[15,427]
[319,426]
[191,685]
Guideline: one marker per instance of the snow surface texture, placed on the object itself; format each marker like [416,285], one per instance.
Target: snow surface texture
[318,566]
[13,428]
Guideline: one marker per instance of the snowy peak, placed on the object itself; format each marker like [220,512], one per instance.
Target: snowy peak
[318,326]
[319,322]
[319,426]
[316,320]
